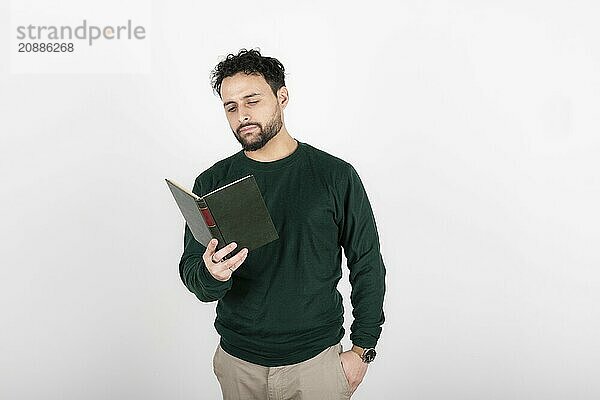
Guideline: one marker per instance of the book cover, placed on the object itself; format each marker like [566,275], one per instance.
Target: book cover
[235,212]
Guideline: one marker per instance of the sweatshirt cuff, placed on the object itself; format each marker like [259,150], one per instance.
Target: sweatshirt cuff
[364,341]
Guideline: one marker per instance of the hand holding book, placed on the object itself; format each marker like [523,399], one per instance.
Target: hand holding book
[220,269]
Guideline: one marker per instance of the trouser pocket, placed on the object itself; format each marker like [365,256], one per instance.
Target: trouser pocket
[341,373]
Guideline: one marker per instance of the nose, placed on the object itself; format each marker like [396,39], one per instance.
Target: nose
[243,117]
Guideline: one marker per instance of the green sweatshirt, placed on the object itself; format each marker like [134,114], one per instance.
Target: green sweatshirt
[282,306]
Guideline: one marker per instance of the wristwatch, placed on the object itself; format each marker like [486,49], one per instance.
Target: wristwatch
[367,355]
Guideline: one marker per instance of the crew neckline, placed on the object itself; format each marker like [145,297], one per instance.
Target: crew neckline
[273,165]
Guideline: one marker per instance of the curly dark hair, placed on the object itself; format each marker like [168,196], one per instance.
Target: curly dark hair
[249,62]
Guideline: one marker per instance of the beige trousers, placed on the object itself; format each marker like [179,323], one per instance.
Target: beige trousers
[318,378]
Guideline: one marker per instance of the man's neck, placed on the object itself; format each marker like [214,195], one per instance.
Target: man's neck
[280,146]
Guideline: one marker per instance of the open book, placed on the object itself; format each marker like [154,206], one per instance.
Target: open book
[235,212]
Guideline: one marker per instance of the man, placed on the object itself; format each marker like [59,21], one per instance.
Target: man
[279,313]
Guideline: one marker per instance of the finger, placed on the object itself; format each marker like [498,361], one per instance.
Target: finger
[234,261]
[211,250]
[237,260]
[225,250]
[212,245]
[240,261]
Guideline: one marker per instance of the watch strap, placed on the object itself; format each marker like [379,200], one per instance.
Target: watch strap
[366,355]
[358,350]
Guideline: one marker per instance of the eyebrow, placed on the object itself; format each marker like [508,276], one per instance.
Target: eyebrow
[245,97]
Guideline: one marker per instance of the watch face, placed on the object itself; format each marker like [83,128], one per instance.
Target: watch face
[369,355]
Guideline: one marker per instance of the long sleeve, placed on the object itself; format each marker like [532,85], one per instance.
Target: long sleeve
[192,269]
[360,240]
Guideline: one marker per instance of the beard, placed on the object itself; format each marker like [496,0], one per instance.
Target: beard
[256,140]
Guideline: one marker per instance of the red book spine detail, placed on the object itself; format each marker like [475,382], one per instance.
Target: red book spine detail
[210,222]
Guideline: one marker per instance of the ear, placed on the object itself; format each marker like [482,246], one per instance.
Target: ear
[282,97]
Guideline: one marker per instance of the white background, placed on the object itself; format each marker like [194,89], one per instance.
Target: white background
[473,125]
